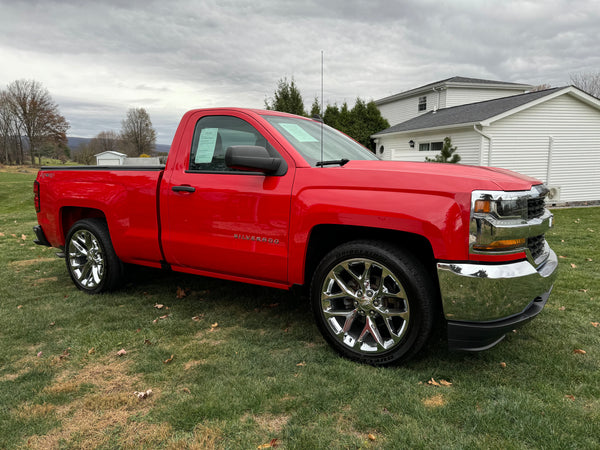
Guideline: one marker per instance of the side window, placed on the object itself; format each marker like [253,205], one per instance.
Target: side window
[214,134]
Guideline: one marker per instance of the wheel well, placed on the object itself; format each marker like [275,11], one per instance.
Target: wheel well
[324,238]
[71,214]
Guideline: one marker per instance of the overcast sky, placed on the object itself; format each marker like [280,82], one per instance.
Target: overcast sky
[100,58]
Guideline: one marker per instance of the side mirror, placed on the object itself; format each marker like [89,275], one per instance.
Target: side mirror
[251,158]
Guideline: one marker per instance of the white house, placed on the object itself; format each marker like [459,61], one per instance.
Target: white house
[444,94]
[553,135]
[110,158]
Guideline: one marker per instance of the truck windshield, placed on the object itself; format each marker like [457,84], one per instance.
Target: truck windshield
[305,136]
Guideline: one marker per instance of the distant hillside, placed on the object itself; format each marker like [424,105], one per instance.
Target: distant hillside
[75,142]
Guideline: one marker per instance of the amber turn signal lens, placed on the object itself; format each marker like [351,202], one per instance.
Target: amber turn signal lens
[507,244]
[482,206]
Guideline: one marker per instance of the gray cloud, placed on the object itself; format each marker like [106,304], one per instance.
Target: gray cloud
[100,58]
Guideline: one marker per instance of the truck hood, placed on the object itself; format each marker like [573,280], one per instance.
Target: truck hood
[451,177]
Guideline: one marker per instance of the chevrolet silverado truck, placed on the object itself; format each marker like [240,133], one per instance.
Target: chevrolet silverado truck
[388,250]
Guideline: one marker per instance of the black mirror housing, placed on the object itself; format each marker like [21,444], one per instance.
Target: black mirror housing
[251,158]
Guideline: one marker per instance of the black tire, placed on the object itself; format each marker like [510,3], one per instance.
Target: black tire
[369,320]
[91,260]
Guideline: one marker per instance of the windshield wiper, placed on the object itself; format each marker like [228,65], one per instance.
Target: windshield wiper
[340,162]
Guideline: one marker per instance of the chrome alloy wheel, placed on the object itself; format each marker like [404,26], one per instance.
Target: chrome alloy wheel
[365,306]
[86,259]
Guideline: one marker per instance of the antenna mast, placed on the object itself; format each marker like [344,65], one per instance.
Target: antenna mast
[322,113]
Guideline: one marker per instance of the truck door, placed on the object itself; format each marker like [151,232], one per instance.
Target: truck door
[224,221]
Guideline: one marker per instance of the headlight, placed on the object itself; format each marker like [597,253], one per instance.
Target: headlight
[496,219]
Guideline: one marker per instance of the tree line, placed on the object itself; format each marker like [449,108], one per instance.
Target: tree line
[136,138]
[359,122]
[31,125]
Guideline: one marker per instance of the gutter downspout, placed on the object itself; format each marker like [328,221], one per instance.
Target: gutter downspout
[549,169]
[480,149]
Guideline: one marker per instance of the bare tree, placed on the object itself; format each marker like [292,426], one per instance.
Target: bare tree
[541,87]
[37,115]
[588,82]
[137,134]
[106,141]
[84,154]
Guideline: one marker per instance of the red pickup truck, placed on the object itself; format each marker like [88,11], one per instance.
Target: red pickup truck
[389,250]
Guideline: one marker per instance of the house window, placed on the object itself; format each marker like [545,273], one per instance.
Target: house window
[423,103]
[433,146]
[437,146]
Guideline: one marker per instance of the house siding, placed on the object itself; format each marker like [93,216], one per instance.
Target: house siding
[463,96]
[407,108]
[522,142]
[466,141]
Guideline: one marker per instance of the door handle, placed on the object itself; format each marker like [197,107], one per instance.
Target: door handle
[183,189]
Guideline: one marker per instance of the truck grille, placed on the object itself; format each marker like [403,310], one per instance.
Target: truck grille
[536,245]
[535,207]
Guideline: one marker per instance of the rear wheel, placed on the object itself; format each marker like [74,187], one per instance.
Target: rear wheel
[373,302]
[91,259]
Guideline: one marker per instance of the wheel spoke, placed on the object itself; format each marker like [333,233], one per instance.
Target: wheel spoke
[369,328]
[80,249]
[342,285]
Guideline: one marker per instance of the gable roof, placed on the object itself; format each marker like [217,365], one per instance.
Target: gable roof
[475,113]
[455,82]
[110,152]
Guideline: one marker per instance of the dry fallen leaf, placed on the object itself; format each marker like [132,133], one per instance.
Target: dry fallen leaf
[186,390]
[144,394]
[445,383]
[371,437]
[91,351]
[573,266]
[159,306]
[579,351]
[503,365]
[595,324]
[168,360]
[570,397]
[180,292]
[583,290]
[561,256]
[20,307]
[122,352]
[2,235]
[433,382]
[23,237]
[147,342]
[274,443]
[589,259]
[301,364]
[65,353]
[52,324]
[214,326]
[197,318]
[39,355]
[562,308]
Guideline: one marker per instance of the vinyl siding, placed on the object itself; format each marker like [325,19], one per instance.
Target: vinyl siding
[521,142]
[466,141]
[462,96]
[402,110]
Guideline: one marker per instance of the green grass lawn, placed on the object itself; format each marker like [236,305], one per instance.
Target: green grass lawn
[236,366]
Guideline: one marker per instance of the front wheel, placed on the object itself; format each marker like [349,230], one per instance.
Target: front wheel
[374,303]
[91,259]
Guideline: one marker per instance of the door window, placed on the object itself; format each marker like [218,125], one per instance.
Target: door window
[214,134]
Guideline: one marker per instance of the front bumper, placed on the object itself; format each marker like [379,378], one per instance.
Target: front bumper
[483,301]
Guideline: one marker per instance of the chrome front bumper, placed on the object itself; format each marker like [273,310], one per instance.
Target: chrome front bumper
[482,296]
